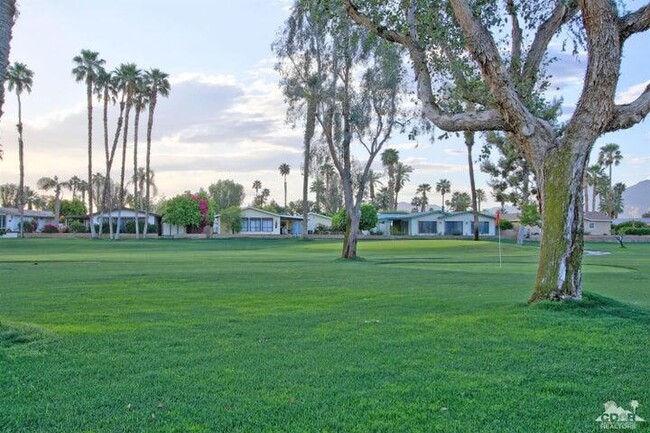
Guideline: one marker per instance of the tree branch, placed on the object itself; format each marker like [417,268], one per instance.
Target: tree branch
[489,120]
[634,22]
[628,115]
[517,36]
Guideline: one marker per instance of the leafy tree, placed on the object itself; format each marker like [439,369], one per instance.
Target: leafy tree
[157,84]
[226,193]
[367,221]
[9,195]
[460,201]
[646,215]
[53,184]
[529,215]
[182,210]
[284,171]
[443,187]
[511,86]
[231,218]
[73,207]
[20,78]
[87,67]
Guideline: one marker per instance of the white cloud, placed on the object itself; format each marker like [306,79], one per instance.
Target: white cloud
[422,165]
[631,93]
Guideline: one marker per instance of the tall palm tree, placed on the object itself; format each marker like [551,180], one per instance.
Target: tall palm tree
[74,182]
[140,100]
[157,83]
[593,175]
[443,187]
[423,189]
[83,189]
[127,75]
[257,185]
[8,14]
[374,179]
[480,198]
[87,67]
[20,78]
[389,159]
[610,155]
[53,184]
[141,179]
[402,175]
[284,171]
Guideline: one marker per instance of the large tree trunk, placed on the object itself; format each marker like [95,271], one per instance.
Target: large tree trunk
[89,97]
[147,167]
[351,235]
[21,162]
[135,169]
[309,134]
[559,275]
[7,19]
[123,169]
[469,142]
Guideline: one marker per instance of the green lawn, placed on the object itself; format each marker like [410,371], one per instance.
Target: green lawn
[282,336]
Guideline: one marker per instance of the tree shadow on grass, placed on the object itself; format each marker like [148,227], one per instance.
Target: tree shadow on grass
[16,334]
[598,307]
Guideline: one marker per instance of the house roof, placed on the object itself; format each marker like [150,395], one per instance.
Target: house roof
[288,217]
[320,215]
[597,216]
[125,209]
[28,213]
[415,215]
[452,214]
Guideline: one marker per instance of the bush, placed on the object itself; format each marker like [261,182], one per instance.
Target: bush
[28,226]
[3,232]
[623,227]
[77,227]
[639,231]
[50,228]
[129,227]
[368,219]
[505,224]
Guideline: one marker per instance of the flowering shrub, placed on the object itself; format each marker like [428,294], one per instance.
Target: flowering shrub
[50,228]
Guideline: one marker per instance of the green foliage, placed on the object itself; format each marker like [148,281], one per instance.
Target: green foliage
[368,219]
[505,224]
[28,226]
[622,227]
[460,201]
[231,219]
[73,207]
[77,227]
[182,210]
[50,228]
[529,215]
[129,227]
[639,231]
[226,193]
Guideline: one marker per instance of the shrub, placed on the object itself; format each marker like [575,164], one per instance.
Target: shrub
[28,226]
[3,232]
[639,231]
[368,219]
[623,227]
[50,228]
[77,227]
[505,224]
[129,227]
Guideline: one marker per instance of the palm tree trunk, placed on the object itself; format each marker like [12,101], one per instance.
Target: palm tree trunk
[89,97]
[309,134]
[152,107]
[135,169]
[123,169]
[469,142]
[21,163]
[585,187]
[7,19]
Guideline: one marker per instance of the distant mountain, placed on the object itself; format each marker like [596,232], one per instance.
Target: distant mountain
[636,199]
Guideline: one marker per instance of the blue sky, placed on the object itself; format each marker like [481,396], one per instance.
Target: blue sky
[225,115]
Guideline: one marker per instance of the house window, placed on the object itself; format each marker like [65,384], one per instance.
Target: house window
[3,221]
[592,225]
[427,227]
[483,227]
[255,224]
[454,228]
[267,224]
[244,225]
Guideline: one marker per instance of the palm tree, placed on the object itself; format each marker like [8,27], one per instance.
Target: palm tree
[139,102]
[284,171]
[423,189]
[53,184]
[87,67]
[480,198]
[157,83]
[20,78]
[610,155]
[443,187]
[318,188]
[257,185]
[83,189]
[389,159]
[594,174]
[7,19]
[127,75]
[374,179]
[142,182]
[402,175]
[74,183]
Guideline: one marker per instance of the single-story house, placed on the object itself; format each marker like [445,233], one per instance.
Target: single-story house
[314,220]
[126,215]
[434,223]
[597,223]
[256,221]
[10,218]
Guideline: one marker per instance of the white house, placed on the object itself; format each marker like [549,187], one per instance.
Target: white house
[434,223]
[126,215]
[10,218]
[314,220]
[256,221]
[597,223]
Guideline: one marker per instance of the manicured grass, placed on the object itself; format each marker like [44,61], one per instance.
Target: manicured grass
[282,336]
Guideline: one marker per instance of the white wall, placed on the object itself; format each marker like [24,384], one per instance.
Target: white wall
[253,213]
[314,220]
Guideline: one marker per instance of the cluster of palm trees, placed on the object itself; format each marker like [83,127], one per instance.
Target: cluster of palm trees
[609,195]
[398,174]
[130,89]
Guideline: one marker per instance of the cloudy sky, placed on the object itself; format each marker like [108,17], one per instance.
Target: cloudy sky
[225,117]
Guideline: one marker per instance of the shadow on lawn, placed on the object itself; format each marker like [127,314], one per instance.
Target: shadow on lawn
[598,306]
[15,334]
